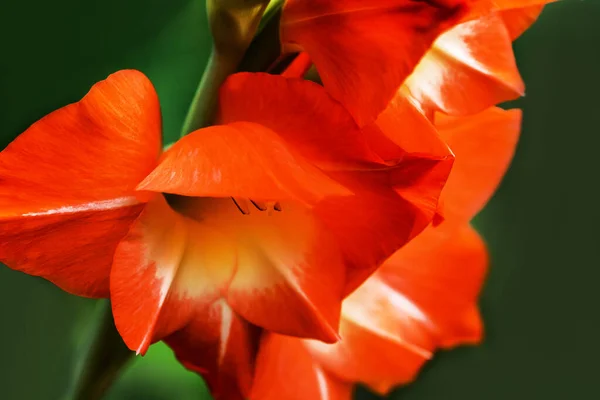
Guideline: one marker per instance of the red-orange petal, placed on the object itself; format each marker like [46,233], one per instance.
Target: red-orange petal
[364,52]
[67,183]
[518,20]
[220,346]
[484,145]
[469,68]
[301,113]
[241,159]
[285,370]
[421,299]
[518,15]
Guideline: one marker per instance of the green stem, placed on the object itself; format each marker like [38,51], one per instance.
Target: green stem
[271,10]
[234,25]
[104,356]
[202,110]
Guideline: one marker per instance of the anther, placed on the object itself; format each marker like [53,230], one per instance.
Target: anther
[241,205]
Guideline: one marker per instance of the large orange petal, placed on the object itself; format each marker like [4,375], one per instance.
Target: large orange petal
[285,370]
[469,68]
[220,346]
[67,183]
[241,159]
[301,113]
[422,298]
[365,52]
[388,209]
[484,145]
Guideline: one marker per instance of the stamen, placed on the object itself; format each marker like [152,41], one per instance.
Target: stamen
[243,205]
[244,210]
[259,204]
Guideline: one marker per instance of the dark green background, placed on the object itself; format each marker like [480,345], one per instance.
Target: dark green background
[541,300]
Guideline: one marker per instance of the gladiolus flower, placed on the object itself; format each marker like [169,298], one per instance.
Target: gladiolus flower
[421,299]
[266,220]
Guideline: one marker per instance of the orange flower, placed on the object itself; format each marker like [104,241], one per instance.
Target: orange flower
[421,299]
[365,53]
[269,218]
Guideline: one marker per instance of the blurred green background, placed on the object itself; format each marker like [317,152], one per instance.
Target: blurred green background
[541,300]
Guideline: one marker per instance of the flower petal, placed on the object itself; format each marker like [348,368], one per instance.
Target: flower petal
[442,272]
[403,129]
[164,269]
[239,160]
[67,183]
[384,339]
[469,68]
[220,346]
[422,298]
[365,52]
[484,145]
[301,113]
[388,209]
[289,273]
[285,369]
[518,20]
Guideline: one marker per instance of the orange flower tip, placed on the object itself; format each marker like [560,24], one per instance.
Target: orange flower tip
[144,346]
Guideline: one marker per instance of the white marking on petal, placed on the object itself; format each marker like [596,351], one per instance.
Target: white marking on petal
[322,383]
[226,321]
[91,206]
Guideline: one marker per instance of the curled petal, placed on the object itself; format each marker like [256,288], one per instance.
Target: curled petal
[67,183]
[469,68]
[365,51]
